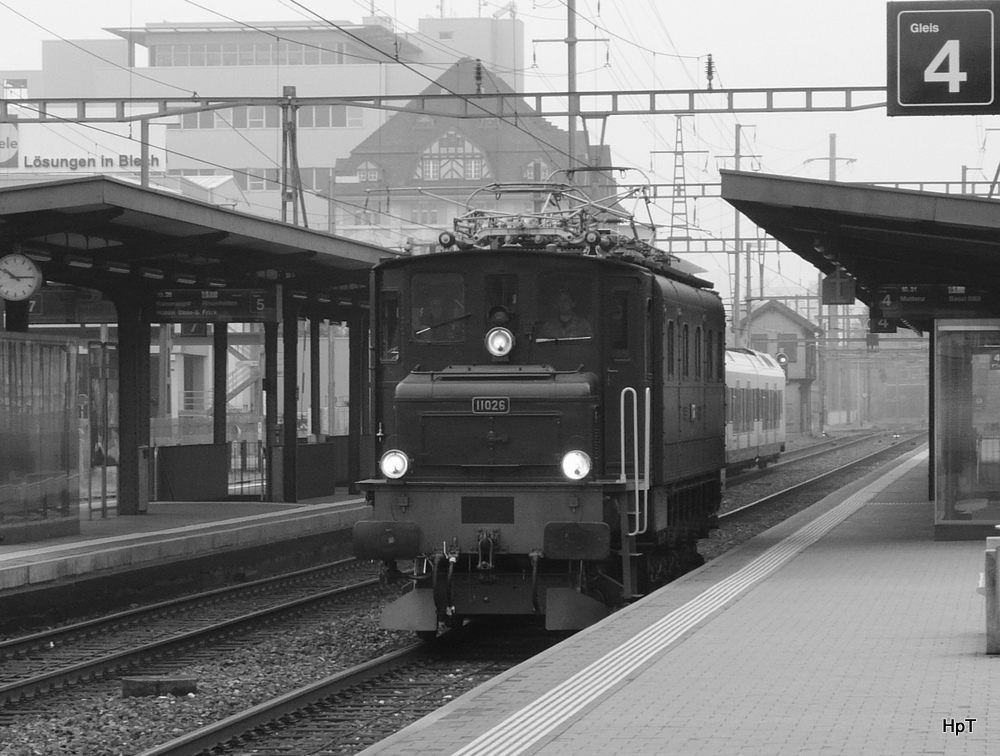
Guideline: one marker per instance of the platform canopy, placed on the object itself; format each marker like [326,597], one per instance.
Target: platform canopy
[880,236]
[107,234]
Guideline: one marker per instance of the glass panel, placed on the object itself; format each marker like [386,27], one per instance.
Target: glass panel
[671,351]
[968,421]
[389,326]
[789,344]
[439,307]
[618,325]
[564,308]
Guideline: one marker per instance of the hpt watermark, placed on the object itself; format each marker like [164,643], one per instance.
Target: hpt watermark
[958,726]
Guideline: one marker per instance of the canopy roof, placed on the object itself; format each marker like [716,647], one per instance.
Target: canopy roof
[880,236]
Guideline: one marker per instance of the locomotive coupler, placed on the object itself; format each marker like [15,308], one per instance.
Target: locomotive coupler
[534,556]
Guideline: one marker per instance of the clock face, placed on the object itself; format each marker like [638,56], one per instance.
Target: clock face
[19,277]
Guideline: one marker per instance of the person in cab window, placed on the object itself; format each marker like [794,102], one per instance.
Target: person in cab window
[568,323]
[438,322]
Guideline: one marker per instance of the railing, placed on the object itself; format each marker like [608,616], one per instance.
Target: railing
[641,475]
[247,469]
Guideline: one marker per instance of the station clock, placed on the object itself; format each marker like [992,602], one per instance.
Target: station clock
[20,277]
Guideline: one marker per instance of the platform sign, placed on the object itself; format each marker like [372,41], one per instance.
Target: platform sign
[942,57]
[879,323]
[214,306]
[910,302]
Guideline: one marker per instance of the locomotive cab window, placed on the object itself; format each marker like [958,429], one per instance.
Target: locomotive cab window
[564,309]
[389,327]
[438,303]
[501,298]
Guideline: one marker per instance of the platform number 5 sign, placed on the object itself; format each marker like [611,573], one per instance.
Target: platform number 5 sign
[942,57]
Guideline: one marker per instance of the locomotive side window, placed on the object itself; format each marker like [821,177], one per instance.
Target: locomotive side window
[671,355]
[697,353]
[389,326]
[710,357]
[686,352]
[618,327]
[438,304]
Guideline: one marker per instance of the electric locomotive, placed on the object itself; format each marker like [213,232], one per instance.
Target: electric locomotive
[548,403]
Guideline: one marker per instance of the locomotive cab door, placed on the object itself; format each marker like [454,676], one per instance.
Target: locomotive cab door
[626,350]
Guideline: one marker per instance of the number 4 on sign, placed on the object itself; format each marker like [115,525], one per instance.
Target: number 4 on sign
[953,76]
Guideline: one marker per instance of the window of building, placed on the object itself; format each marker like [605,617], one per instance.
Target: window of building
[424,215]
[330,116]
[430,169]
[452,158]
[536,170]
[789,344]
[368,171]
[316,179]
[759,342]
[257,179]
[282,53]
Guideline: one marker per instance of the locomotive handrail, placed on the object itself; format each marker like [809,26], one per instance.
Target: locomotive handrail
[641,512]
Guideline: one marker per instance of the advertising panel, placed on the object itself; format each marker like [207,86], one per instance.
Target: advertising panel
[79,148]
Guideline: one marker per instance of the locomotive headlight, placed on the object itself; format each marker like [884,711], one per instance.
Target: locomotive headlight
[576,465]
[394,464]
[499,342]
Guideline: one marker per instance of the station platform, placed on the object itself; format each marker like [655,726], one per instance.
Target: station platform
[846,630]
[168,532]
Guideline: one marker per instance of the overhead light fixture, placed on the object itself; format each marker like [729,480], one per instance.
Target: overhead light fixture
[184,278]
[218,283]
[298,295]
[323,298]
[79,262]
[37,256]
[154,273]
[117,267]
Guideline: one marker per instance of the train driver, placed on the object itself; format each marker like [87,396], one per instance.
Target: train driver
[567,323]
[438,322]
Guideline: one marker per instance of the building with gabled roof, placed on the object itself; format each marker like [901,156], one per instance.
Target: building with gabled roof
[775,328]
[414,174]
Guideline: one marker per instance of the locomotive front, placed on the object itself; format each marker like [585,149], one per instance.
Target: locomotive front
[490,381]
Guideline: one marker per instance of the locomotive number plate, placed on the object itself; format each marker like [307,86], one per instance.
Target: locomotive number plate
[490,405]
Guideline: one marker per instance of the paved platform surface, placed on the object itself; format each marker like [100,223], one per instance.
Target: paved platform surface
[844,631]
[169,531]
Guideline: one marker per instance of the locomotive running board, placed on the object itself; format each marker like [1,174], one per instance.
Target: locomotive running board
[568,609]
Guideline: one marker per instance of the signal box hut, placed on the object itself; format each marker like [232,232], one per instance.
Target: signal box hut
[776,329]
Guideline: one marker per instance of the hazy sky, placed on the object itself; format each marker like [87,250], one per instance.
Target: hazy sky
[645,44]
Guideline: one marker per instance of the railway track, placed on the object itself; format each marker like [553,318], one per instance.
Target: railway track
[356,708]
[830,478]
[76,654]
[351,709]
